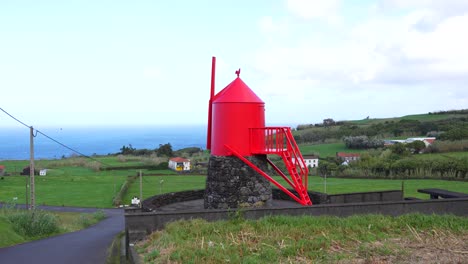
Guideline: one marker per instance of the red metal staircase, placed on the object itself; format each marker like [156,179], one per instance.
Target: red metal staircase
[280,141]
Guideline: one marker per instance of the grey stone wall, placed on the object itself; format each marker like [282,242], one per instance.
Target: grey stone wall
[155,202]
[232,184]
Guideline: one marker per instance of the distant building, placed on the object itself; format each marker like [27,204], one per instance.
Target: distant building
[2,170]
[43,172]
[427,141]
[389,142]
[179,164]
[348,157]
[135,201]
[27,170]
[311,160]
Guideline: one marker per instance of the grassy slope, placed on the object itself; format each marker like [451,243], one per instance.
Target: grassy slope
[305,239]
[419,117]
[67,221]
[7,235]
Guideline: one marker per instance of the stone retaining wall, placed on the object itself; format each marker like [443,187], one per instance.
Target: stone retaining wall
[231,183]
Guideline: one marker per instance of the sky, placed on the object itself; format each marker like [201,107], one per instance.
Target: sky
[87,63]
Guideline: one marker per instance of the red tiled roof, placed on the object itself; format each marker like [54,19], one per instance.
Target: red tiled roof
[429,140]
[343,154]
[2,167]
[179,159]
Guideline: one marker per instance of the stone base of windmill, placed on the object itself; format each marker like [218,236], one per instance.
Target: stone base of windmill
[233,184]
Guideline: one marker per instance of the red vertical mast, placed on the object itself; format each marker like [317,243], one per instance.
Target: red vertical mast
[213,67]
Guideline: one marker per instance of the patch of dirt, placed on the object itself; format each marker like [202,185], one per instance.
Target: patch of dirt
[434,246]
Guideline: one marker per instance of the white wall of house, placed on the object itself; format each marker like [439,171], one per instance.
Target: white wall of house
[178,166]
[311,162]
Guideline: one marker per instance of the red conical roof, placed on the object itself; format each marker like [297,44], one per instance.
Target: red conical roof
[237,92]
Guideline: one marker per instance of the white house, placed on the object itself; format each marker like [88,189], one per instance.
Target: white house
[43,172]
[179,164]
[311,160]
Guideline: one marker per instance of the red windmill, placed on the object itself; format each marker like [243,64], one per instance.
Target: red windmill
[236,127]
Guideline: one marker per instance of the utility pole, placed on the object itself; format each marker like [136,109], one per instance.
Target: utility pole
[141,189]
[27,190]
[31,167]
[325,184]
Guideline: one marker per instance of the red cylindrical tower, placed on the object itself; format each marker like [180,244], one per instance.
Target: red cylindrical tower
[235,110]
[240,143]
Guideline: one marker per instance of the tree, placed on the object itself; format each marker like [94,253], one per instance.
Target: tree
[416,146]
[399,149]
[328,122]
[362,142]
[127,150]
[165,150]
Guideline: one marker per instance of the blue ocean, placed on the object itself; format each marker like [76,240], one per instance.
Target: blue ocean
[14,142]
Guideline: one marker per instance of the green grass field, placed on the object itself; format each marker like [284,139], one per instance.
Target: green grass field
[84,187]
[327,150]
[152,185]
[68,186]
[340,185]
[463,154]
[97,189]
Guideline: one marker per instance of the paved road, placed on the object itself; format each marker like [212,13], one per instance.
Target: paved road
[85,246]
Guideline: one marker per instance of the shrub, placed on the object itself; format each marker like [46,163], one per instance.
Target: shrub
[121,158]
[448,146]
[362,142]
[34,223]
[86,220]
[95,166]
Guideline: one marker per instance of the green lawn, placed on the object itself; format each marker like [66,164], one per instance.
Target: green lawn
[69,186]
[84,187]
[327,150]
[340,185]
[153,185]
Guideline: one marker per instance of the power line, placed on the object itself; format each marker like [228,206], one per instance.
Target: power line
[54,140]
[14,118]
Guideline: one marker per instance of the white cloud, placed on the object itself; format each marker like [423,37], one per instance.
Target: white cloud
[444,8]
[419,50]
[152,73]
[378,50]
[318,9]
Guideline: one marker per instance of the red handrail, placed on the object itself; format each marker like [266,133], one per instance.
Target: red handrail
[280,141]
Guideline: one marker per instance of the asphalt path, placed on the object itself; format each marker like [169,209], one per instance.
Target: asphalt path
[85,246]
